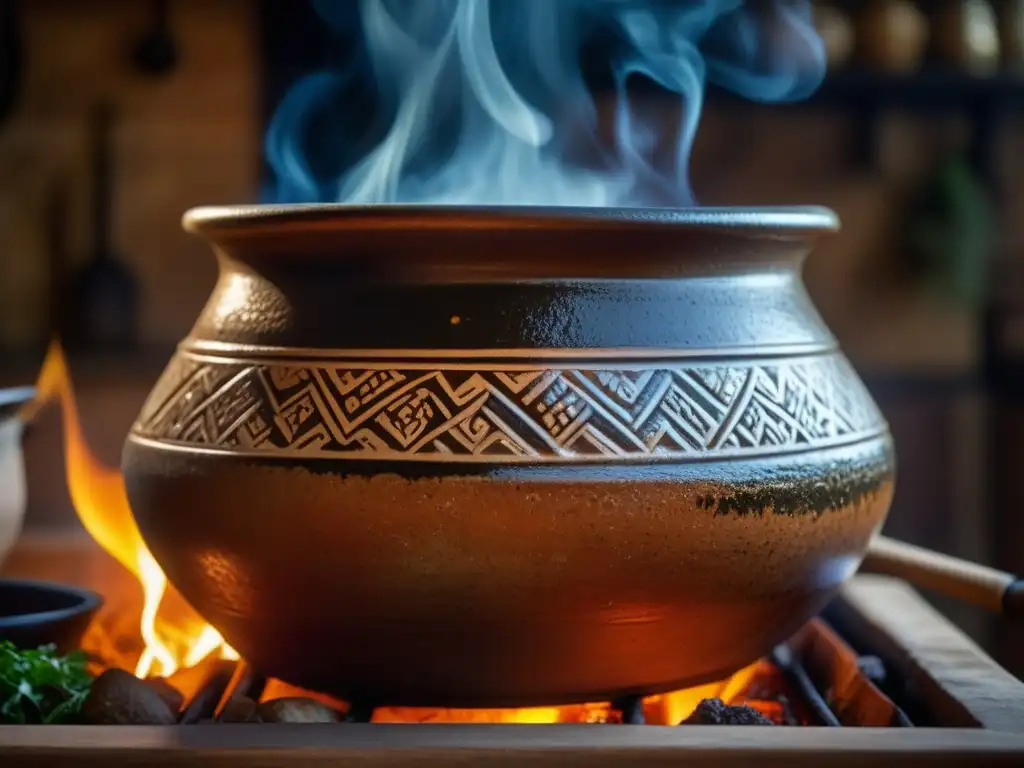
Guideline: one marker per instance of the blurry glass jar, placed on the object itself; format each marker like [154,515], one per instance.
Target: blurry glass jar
[837,34]
[891,36]
[965,34]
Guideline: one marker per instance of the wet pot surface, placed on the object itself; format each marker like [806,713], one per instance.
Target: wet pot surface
[423,456]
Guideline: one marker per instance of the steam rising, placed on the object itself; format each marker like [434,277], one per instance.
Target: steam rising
[485,102]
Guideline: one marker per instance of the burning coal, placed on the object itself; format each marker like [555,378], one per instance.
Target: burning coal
[486,101]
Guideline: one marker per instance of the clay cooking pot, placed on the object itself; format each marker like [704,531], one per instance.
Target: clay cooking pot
[496,457]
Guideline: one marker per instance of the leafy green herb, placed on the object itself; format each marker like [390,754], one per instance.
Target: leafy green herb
[39,686]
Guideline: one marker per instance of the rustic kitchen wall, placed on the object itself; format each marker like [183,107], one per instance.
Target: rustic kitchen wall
[193,137]
[185,138]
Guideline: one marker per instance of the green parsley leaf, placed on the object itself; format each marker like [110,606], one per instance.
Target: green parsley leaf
[37,686]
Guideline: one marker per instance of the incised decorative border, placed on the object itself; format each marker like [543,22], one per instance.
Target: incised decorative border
[499,413]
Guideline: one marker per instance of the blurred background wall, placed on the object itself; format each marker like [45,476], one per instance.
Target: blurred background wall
[914,140]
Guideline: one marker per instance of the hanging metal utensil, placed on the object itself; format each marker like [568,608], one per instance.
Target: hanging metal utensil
[105,294]
[157,52]
[58,252]
[12,56]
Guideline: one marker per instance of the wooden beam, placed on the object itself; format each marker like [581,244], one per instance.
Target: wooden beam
[397,746]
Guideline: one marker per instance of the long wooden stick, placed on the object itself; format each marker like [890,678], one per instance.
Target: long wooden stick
[990,588]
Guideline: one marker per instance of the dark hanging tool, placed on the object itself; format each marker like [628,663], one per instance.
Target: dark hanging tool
[157,52]
[57,216]
[12,56]
[105,304]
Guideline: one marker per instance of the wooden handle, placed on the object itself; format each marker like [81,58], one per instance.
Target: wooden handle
[995,590]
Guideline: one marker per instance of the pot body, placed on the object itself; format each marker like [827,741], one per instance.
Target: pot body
[497,458]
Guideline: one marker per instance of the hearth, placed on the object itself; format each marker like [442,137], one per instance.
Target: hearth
[878,676]
[815,679]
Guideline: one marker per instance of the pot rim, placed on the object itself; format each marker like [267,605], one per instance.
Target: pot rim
[776,221]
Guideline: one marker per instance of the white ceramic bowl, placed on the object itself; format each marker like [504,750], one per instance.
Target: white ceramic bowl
[12,467]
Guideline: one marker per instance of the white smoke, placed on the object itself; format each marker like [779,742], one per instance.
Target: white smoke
[486,103]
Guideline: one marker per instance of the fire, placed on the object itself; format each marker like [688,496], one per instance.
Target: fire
[172,639]
[176,638]
[666,709]
[747,686]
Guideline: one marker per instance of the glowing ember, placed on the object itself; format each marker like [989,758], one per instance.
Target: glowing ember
[666,709]
[172,638]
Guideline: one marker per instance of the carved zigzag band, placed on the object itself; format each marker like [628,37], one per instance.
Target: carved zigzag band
[490,412]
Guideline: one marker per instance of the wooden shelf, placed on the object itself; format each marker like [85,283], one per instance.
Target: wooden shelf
[867,96]
[927,90]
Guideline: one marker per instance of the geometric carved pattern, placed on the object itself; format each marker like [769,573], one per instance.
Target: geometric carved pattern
[490,412]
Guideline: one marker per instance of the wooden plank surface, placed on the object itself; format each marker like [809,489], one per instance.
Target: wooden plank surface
[285,746]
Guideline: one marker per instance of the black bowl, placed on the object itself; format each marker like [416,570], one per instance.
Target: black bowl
[35,613]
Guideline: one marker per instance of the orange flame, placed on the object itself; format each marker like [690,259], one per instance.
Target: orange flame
[666,709]
[98,495]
